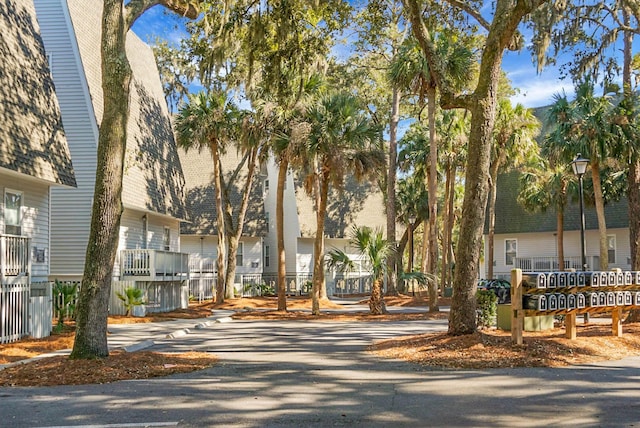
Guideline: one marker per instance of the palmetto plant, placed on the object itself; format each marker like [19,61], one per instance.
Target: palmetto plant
[375,249]
[64,297]
[131,298]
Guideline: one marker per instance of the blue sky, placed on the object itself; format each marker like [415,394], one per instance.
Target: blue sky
[535,89]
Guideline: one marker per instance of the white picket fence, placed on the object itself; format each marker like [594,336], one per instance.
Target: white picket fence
[22,314]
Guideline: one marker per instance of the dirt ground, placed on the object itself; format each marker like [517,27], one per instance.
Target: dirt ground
[485,349]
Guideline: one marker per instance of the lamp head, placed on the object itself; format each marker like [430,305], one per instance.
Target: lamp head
[579,165]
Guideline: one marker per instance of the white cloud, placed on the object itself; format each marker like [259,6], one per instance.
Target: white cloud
[539,90]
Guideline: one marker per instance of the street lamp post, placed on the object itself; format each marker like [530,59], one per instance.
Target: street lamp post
[579,165]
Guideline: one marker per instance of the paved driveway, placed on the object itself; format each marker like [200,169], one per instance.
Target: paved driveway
[317,374]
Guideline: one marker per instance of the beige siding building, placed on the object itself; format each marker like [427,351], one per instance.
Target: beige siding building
[34,155]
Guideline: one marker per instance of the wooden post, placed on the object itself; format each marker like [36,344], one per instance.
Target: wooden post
[616,322]
[570,325]
[517,316]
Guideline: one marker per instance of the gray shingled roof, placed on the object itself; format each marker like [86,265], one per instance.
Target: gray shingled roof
[359,204]
[198,171]
[32,139]
[512,218]
[153,178]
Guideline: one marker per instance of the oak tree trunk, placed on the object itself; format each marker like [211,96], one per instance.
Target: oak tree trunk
[92,309]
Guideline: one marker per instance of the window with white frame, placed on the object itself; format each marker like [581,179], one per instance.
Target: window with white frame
[166,239]
[240,254]
[12,212]
[510,251]
[611,248]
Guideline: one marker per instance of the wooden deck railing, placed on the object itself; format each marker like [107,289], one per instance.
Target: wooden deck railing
[153,265]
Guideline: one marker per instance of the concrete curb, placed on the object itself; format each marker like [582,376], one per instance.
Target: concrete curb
[139,346]
[178,333]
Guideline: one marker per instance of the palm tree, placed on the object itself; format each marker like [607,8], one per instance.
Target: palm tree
[375,250]
[290,132]
[207,121]
[252,131]
[455,125]
[514,143]
[584,127]
[411,71]
[341,138]
[546,186]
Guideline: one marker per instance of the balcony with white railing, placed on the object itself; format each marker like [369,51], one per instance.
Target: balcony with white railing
[15,260]
[546,264]
[153,265]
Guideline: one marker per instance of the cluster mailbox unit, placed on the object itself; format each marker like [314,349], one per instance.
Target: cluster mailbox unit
[570,293]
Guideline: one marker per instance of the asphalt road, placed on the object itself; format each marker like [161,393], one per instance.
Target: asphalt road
[317,374]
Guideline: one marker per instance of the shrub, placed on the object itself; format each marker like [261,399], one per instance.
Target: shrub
[64,297]
[131,298]
[486,307]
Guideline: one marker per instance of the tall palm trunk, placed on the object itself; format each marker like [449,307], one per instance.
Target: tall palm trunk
[234,232]
[282,267]
[433,197]
[392,265]
[633,176]
[376,301]
[91,319]
[318,246]
[220,259]
[602,224]
[560,236]
[492,214]
[448,224]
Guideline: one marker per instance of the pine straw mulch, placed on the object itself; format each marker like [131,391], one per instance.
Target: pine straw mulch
[493,348]
[485,349]
[120,365]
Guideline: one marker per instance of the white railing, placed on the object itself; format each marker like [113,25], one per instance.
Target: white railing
[15,257]
[546,264]
[202,264]
[153,265]
[14,312]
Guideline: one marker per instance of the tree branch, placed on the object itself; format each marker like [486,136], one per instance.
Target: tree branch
[436,68]
[135,8]
[465,7]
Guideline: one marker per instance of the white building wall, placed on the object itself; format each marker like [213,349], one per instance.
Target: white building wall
[207,247]
[304,257]
[292,225]
[70,208]
[545,245]
[131,231]
[35,216]
[204,247]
